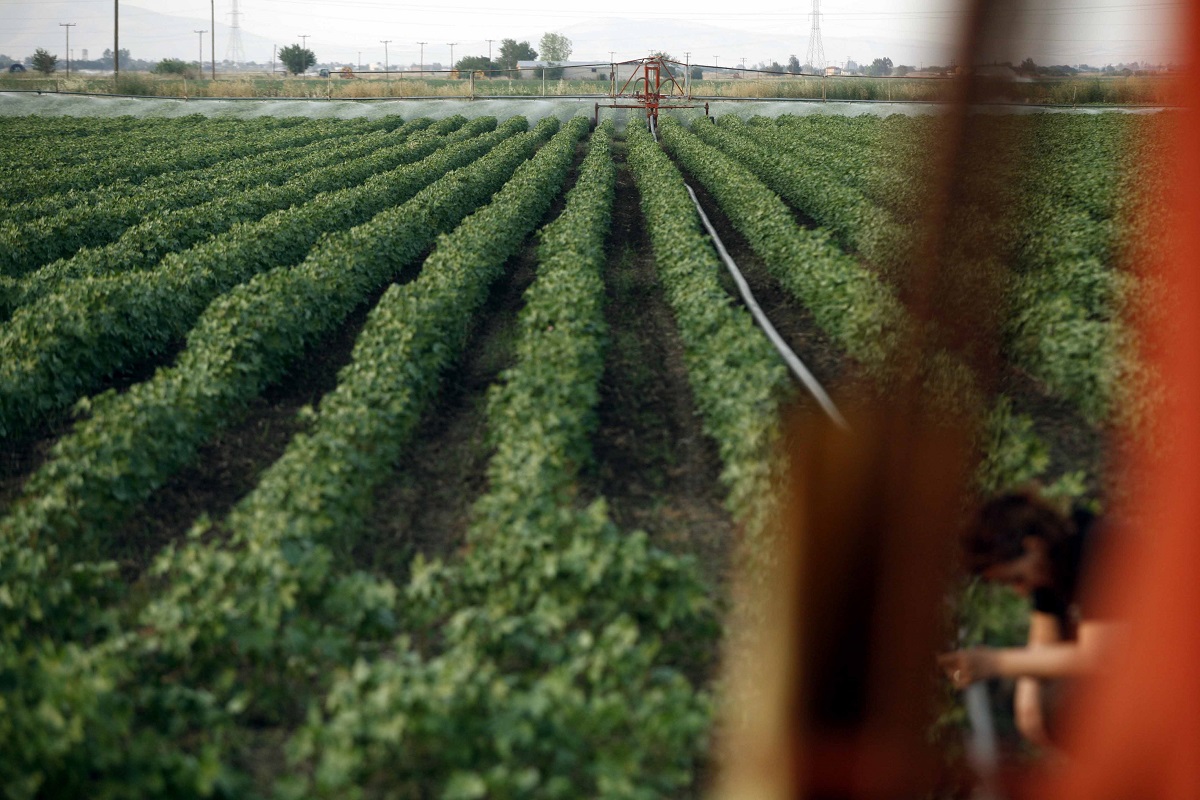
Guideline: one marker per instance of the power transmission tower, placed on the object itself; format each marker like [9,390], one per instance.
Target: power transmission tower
[816,50]
[235,52]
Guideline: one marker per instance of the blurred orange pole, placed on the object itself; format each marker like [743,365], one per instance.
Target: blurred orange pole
[1136,731]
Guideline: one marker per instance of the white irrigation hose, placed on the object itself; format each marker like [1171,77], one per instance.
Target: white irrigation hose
[794,363]
[981,745]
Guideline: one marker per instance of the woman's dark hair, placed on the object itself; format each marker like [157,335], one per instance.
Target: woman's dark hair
[1003,523]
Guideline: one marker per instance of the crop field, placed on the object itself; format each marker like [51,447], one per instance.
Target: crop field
[390,457]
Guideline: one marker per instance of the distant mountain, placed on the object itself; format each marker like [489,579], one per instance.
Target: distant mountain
[145,34]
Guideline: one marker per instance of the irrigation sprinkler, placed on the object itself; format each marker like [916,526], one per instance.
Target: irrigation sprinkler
[651,87]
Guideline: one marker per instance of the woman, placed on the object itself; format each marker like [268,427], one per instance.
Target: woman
[1022,541]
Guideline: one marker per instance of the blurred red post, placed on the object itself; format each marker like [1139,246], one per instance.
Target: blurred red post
[1136,732]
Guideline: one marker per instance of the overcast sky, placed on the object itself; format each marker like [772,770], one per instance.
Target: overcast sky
[1060,31]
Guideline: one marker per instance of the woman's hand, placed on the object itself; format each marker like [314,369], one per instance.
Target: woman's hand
[964,667]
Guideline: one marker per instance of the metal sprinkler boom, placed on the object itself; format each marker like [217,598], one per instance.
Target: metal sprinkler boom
[651,87]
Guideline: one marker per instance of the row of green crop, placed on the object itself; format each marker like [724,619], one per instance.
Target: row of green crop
[887,161]
[826,282]
[852,305]
[130,443]
[216,141]
[736,377]
[200,655]
[856,223]
[1065,326]
[28,245]
[1078,161]
[412,334]
[277,147]
[19,132]
[1065,295]
[49,154]
[274,188]
[542,411]
[560,671]
[76,337]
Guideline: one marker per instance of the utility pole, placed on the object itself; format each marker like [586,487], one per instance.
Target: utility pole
[274,50]
[386,68]
[212,40]
[422,66]
[304,37]
[200,52]
[116,39]
[360,60]
[451,53]
[489,41]
[68,26]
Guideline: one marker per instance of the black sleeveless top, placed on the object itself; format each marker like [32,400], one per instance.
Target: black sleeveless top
[1069,562]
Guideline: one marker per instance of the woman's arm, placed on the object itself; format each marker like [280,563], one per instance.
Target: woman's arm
[1028,713]
[1058,660]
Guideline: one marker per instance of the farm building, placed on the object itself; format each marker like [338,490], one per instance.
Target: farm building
[570,69]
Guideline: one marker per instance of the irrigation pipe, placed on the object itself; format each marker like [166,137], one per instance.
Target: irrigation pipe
[981,744]
[791,359]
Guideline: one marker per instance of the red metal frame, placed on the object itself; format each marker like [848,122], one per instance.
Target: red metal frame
[653,74]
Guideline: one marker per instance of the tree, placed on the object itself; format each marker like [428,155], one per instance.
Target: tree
[106,59]
[880,67]
[774,66]
[174,66]
[555,47]
[793,65]
[297,58]
[697,73]
[476,64]
[512,51]
[44,62]
[902,70]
